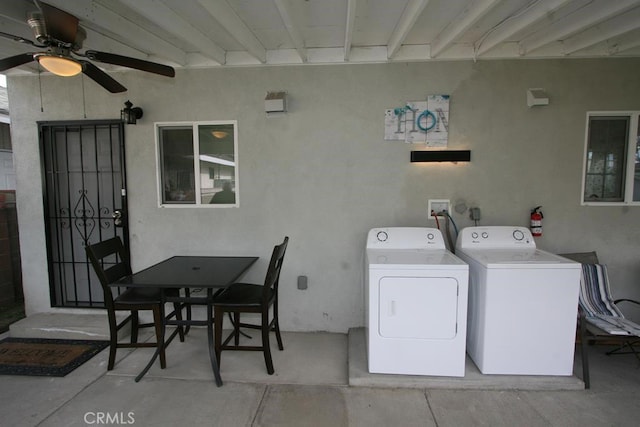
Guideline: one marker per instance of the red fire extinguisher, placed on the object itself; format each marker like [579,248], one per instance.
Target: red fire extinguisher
[536,221]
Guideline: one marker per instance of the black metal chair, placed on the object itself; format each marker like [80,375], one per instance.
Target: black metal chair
[250,298]
[600,319]
[110,262]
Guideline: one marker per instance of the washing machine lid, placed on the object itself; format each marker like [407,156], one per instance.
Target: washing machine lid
[413,259]
[514,258]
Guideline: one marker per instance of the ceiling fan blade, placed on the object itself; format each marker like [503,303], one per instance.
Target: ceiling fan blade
[60,24]
[126,61]
[18,39]
[15,61]
[102,78]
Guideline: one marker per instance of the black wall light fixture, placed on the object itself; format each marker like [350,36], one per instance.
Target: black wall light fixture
[130,115]
[441,156]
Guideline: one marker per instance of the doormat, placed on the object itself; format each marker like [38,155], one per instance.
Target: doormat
[45,357]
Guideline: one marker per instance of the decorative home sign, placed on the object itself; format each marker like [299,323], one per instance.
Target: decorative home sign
[424,122]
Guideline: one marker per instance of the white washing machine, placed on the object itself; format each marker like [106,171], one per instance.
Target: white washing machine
[415,303]
[523,303]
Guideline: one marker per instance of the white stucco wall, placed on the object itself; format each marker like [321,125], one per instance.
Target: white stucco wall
[323,175]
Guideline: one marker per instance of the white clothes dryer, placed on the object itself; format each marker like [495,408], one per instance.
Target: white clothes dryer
[523,303]
[415,303]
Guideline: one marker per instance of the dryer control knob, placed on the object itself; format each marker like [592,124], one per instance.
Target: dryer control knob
[430,236]
[485,235]
[474,235]
[518,235]
[382,236]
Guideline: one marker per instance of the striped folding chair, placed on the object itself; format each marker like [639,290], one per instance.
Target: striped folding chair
[600,317]
[601,311]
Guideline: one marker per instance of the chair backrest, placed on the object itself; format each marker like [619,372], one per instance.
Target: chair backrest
[273,273]
[110,261]
[583,257]
[595,293]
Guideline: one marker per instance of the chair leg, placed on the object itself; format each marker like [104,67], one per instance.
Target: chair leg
[233,323]
[134,326]
[236,328]
[584,352]
[276,327]
[218,318]
[266,348]
[113,341]
[112,355]
[177,307]
[158,322]
[187,294]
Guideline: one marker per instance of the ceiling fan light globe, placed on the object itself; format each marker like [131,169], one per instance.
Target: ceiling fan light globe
[59,65]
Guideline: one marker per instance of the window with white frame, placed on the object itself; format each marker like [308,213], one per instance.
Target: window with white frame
[197,164]
[611,171]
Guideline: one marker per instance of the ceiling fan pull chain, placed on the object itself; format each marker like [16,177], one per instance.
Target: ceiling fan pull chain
[84,102]
[40,86]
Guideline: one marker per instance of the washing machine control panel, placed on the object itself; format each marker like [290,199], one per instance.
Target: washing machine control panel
[405,238]
[497,237]
[518,235]
[382,236]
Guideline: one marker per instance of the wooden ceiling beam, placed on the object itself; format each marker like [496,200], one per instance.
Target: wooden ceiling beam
[97,17]
[294,33]
[349,26]
[522,19]
[581,19]
[409,17]
[609,29]
[458,26]
[230,21]
[170,21]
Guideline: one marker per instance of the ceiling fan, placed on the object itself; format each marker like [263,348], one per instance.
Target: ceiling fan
[60,34]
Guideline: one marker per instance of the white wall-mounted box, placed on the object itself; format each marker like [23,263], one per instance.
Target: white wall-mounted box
[275,102]
[537,97]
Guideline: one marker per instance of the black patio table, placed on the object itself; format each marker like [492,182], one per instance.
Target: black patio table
[189,272]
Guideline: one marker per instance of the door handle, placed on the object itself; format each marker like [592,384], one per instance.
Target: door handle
[117,218]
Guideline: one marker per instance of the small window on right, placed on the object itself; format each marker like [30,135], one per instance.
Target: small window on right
[611,174]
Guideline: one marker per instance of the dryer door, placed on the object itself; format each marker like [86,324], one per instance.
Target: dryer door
[418,307]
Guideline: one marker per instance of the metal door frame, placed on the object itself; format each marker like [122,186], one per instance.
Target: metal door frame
[101,219]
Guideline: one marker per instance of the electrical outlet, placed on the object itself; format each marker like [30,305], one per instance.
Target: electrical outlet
[438,205]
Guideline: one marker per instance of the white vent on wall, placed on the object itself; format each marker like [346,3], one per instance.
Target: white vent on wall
[275,102]
[537,97]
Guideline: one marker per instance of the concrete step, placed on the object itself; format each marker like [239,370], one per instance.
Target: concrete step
[473,379]
[66,326]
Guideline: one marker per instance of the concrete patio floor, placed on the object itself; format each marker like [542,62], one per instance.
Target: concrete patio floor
[320,380]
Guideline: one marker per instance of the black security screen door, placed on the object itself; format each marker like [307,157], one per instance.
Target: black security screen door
[85,203]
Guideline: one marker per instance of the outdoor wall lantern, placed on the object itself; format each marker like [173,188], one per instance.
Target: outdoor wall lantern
[130,115]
